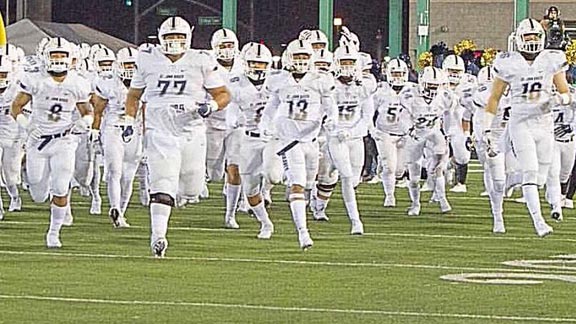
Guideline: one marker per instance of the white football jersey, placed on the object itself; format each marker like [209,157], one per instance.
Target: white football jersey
[479,100]
[9,129]
[217,119]
[564,119]
[249,100]
[173,89]
[54,103]
[464,90]
[112,89]
[297,109]
[425,115]
[530,84]
[355,106]
[387,103]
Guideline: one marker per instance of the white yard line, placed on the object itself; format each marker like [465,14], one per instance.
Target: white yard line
[287,309]
[283,262]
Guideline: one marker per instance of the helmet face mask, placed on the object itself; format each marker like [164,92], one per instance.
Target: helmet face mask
[257,71]
[105,62]
[225,44]
[431,82]
[126,63]
[174,44]
[322,61]
[347,68]
[257,60]
[226,51]
[5,72]
[300,62]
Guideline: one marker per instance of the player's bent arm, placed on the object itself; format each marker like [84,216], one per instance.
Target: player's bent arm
[21,100]
[221,95]
[99,105]
[331,110]
[498,88]
[562,88]
[132,100]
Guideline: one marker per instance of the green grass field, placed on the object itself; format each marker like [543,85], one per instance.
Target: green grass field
[212,275]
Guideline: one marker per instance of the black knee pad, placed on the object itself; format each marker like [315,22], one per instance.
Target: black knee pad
[326,188]
[162,198]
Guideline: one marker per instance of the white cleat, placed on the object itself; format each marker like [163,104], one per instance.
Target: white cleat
[520,200]
[159,248]
[193,200]
[53,241]
[459,188]
[231,224]
[266,231]
[96,208]
[445,206]
[68,219]
[305,240]
[15,204]
[484,194]
[205,192]
[414,210]
[498,228]
[569,203]
[375,180]
[144,197]
[402,184]
[267,198]
[357,228]
[426,187]
[390,201]
[242,205]
[544,230]
[122,223]
[320,216]
[556,213]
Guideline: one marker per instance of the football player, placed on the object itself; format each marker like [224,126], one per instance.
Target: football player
[122,154]
[316,38]
[249,100]
[177,80]
[11,136]
[299,101]
[462,84]
[530,73]
[50,148]
[390,139]
[422,113]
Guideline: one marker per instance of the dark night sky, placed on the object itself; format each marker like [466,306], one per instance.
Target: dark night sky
[276,21]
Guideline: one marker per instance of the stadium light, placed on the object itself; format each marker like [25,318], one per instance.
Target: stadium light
[128,3]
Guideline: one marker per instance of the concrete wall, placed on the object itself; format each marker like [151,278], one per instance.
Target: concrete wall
[487,22]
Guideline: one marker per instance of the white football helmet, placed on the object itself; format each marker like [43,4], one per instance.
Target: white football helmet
[453,66]
[299,47]
[85,65]
[105,60]
[85,50]
[94,49]
[485,75]
[220,40]
[365,61]
[349,38]
[5,67]
[175,26]
[58,45]
[430,82]
[397,73]
[11,52]
[318,40]
[257,53]
[347,53]
[126,63]
[322,60]
[41,45]
[528,27]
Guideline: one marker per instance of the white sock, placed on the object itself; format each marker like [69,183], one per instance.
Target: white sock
[349,197]
[57,215]
[114,190]
[95,184]
[440,187]
[232,197]
[389,183]
[159,216]
[298,209]
[496,202]
[487,180]
[12,191]
[261,213]
[530,193]
[414,190]
[553,192]
[127,188]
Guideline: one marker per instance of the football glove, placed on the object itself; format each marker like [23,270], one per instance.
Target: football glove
[562,130]
[206,108]
[490,150]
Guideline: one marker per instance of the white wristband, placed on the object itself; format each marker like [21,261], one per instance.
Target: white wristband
[564,99]
[22,121]
[213,105]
